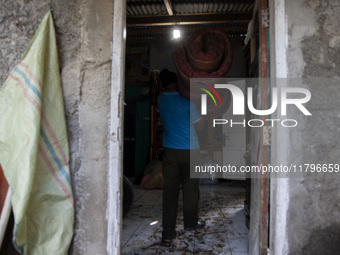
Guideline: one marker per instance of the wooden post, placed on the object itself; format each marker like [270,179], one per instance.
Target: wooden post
[265,94]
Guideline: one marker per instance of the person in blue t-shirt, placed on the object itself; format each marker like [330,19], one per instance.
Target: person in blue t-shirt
[179,140]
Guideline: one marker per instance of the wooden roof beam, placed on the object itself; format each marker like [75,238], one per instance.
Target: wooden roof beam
[168,7]
[189,19]
[184,29]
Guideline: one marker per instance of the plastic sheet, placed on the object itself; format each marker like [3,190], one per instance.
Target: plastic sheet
[34,150]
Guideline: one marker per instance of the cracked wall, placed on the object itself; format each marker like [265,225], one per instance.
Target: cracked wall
[314,52]
[84,35]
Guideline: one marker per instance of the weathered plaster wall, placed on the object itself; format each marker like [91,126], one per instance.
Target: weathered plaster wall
[84,35]
[313,50]
[255,216]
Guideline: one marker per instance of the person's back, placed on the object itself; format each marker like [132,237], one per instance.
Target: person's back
[179,139]
[174,110]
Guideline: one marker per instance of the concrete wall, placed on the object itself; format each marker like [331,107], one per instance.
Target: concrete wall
[279,200]
[314,214]
[305,211]
[84,35]
[255,216]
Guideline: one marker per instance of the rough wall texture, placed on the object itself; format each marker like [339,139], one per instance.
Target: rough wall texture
[255,216]
[84,35]
[314,51]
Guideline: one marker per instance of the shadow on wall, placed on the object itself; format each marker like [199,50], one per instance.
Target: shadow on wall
[323,241]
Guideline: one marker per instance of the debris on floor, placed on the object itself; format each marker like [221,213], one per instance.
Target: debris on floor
[221,207]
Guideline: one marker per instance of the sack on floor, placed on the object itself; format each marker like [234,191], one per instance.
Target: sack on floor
[153,178]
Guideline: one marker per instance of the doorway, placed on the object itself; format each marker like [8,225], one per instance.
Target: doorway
[164,1]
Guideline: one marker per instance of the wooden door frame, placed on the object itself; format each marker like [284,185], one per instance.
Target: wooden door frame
[116,126]
[265,90]
[261,9]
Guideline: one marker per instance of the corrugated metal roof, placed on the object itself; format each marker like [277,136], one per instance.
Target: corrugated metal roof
[157,7]
[145,8]
[234,16]
[182,7]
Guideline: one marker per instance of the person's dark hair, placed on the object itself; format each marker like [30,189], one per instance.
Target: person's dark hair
[167,77]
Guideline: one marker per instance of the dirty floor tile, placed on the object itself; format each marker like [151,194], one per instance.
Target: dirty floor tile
[221,207]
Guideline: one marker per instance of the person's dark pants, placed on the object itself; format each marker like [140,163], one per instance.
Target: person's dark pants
[176,170]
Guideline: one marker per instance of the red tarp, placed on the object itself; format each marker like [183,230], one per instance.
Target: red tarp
[3,189]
